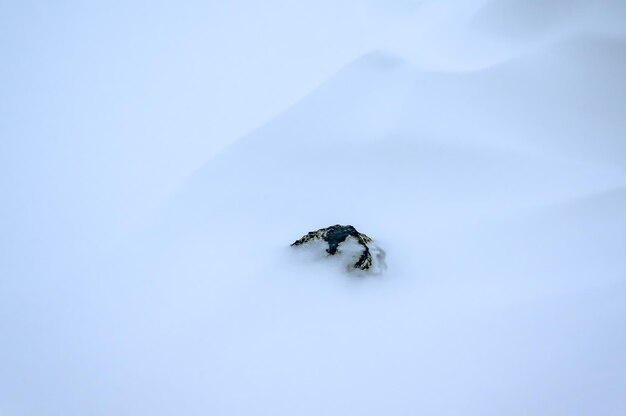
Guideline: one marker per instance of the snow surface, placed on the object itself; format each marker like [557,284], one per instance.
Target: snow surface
[484,152]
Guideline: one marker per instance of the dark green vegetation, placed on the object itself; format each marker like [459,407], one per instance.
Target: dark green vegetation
[337,234]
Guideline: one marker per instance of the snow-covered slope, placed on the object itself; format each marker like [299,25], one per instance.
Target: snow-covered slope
[499,197]
[495,182]
[523,20]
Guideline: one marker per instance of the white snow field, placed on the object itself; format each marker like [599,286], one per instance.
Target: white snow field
[489,164]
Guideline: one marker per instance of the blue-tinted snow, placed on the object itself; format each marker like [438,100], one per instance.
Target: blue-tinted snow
[481,143]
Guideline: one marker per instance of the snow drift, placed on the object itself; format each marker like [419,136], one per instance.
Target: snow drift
[498,195]
[496,186]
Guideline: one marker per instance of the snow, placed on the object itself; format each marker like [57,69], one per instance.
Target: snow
[484,153]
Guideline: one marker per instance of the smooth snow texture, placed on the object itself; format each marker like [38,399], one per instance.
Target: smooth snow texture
[493,178]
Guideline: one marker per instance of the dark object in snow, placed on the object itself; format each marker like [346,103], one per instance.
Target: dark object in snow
[337,234]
